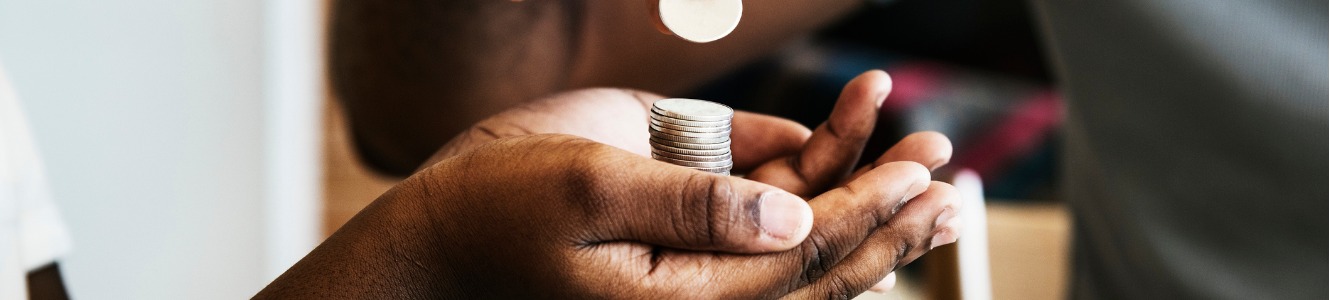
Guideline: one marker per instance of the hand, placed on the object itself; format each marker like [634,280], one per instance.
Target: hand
[558,216]
[827,158]
[618,117]
[771,150]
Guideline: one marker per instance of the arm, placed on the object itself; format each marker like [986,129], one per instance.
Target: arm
[507,212]
[555,216]
[414,73]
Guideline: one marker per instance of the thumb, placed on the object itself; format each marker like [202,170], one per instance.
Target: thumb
[676,207]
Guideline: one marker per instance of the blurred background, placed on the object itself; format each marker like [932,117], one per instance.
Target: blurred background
[195,150]
[181,138]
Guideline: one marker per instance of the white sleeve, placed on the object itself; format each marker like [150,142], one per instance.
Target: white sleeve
[41,234]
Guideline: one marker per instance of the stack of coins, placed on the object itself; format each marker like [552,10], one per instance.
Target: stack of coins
[692,133]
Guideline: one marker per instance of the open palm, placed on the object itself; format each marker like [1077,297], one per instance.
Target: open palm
[769,149]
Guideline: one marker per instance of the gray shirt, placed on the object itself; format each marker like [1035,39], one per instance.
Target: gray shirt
[1196,149]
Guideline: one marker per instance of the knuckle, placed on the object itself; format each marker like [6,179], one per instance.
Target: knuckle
[849,133]
[582,160]
[911,237]
[707,208]
[872,204]
[819,255]
[584,168]
[840,287]
[903,250]
[483,132]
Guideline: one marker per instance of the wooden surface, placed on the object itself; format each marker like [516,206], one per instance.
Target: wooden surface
[349,186]
[1029,246]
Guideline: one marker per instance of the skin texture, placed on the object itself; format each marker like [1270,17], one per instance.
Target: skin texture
[558,199]
[414,73]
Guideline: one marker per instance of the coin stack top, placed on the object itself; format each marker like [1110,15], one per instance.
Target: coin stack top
[692,133]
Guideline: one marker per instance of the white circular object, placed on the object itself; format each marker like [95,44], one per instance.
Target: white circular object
[693,110]
[701,21]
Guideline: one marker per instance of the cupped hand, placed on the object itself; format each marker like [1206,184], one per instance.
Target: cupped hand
[827,159]
[557,216]
[561,216]
[771,150]
[768,149]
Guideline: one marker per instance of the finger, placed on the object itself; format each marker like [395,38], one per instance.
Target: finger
[907,236]
[969,187]
[936,205]
[835,146]
[928,148]
[843,218]
[656,203]
[948,232]
[759,138]
[885,285]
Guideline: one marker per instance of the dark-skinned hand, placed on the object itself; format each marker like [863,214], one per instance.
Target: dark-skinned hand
[505,211]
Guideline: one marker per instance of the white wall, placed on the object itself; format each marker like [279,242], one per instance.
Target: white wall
[293,96]
[155,129]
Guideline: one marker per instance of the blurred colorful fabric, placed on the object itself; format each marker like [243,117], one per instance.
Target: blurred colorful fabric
[1001,126]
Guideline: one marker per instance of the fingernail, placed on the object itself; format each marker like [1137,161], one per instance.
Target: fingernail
[942,238]
[882,97]
[946,215]
[783,215]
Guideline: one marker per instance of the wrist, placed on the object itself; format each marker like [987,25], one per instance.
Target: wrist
[413,241]
[391,249]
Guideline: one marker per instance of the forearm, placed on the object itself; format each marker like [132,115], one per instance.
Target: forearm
[388,251]
[413,73]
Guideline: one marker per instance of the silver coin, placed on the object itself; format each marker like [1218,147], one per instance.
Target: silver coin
[700,21]
[660,124]
[725,134]
[657,117]
[692,146]
[694,164]
[691,140]
[663,113]
[692,109]
[702,152]
[696,158]
[721,170]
